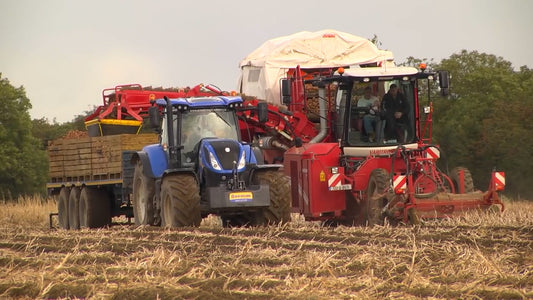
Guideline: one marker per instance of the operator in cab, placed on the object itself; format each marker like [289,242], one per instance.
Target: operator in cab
[395,109]
[369,119]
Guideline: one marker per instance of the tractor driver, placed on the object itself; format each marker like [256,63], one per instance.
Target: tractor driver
[395,108]
[369,120]
[194,129]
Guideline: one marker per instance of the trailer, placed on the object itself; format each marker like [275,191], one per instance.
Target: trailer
[92,177]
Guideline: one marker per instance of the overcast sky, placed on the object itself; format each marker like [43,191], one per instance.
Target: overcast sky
[65,52]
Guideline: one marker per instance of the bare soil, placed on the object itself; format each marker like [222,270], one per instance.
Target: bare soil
[480,256]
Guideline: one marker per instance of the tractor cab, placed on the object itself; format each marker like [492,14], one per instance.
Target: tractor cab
[195,125]
[378,108]
[192,125]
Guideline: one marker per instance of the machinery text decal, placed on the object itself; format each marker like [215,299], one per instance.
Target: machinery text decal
[241,197]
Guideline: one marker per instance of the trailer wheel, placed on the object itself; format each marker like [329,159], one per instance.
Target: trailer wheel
[143,195]
[375,197]
[468,181]
[279,210]
[94,208]
[62,208]
[73,208]
[180,201]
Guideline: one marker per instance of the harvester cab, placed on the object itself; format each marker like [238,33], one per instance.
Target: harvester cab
[202,167]
[375,161]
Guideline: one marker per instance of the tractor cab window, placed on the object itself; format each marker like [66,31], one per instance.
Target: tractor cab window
[199,124]
[340,103]
[381,113]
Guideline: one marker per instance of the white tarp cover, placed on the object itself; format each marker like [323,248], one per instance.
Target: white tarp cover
[262,69]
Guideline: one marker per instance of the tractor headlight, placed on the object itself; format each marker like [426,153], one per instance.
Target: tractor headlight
[242,161]
[214,162]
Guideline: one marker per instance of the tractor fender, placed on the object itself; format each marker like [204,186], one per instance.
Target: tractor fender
[154,160]
[252,154]
[182,171]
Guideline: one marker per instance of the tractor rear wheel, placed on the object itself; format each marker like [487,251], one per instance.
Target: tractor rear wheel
[375,197]
[180,201]
[94,208]
[468,182]
[62,207]
[279,210]
[143,195]
[73,208]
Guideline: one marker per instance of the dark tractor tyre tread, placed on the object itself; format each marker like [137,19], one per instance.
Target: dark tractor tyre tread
[468,181]
[94,208]
[180,201]
[377,185]
[279,210]
[73,208]
[143,194]
[62,207]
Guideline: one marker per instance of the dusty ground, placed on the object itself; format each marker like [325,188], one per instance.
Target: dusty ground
[480,256]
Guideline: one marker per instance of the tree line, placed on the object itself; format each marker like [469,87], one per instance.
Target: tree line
[484,124]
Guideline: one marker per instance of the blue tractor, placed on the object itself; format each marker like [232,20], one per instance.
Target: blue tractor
[201,167]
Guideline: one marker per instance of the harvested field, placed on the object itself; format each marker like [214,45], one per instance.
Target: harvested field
[480,256]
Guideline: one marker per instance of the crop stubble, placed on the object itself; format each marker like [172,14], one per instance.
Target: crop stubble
[479,256]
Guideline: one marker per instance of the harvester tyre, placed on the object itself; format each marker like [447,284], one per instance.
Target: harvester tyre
[279,210]
[143,195]
[180,201]
[468,181]
[62,207]
[73,208]
[375,197]
[94,208]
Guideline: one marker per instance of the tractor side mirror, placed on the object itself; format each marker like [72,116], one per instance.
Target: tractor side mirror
[153,113]
[286,91]
[444,83]
[262,112]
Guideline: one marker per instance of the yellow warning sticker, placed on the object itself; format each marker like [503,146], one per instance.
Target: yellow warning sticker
[241,197]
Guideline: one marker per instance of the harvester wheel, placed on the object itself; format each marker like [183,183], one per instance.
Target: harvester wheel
[279,210]
[143,195]
[62,207]
[468,181]
[95,208]
[180,201]
[375,197]
[73,208]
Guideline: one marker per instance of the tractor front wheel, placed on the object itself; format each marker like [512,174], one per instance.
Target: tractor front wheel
[143,195]
[279,210]
[180,201]
[375,197]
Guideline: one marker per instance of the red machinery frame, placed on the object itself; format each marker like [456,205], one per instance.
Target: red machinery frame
[131,101]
